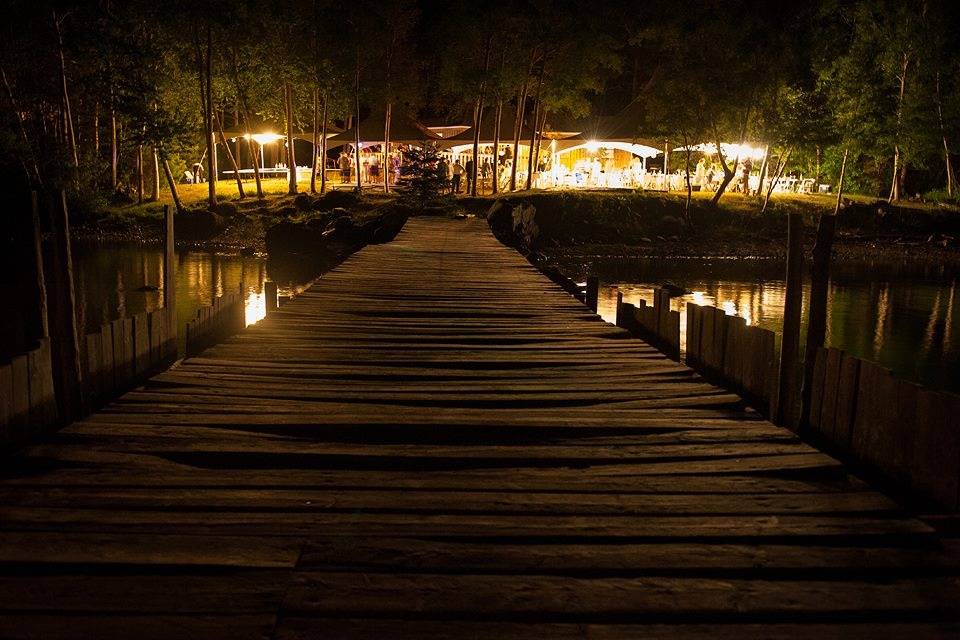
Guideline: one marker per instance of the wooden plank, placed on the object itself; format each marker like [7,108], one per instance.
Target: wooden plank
[93,374]
[141,342]
[846,412]
[121,377]
[872,440]
[817,391]
[108,366]
[42,401]
[6,402]
[557,597]
[420,454]
[155,327]
[19,398]
[693,334]
[708,344]
[302,628]
[935,472]
[156,626]
[734,350]
[831,389]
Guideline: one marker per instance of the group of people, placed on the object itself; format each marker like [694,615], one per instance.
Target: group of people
[370,165]
[708,177]
[462,174]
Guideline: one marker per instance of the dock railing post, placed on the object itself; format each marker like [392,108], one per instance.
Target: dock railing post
[819,279]
[790,344]
[593,292]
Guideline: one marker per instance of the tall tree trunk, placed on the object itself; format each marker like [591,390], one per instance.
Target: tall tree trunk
[237,148]
[895,180]
[155,178]
[243,110]
[314,154]
[819,174]
[518,123]
[477,120]
[173,186]
[114,149]
[728,173]
[69,132]
[291,153]
[96,131]
[356,104]
[478,116]
[781,165]
[496,146]
[764,169]
[540,127]
[205,72]
[33,171]
[897,169]
[233,161]
[533,142]
[386,147]
[536,119]
[686,208]
[323,147]
[140,174]
[943,136]
[255,157]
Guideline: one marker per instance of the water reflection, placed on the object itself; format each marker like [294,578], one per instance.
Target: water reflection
[120,281]
[902,315]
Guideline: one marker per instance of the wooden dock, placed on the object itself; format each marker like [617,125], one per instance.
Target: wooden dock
[434,441]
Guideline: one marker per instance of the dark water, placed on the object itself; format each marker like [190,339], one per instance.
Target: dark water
[903,315]
[114,281]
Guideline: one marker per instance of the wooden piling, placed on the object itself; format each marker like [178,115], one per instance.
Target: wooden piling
[790,344]
[170,282]
[820,278]
[593,292]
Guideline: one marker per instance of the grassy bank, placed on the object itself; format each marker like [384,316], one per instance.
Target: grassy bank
[235,224]
[652,224]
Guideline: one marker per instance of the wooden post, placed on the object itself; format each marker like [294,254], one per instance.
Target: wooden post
[170,276]
[619,319]
[593,292]
[270,295]
[790,345]
[820,277]
[63,313]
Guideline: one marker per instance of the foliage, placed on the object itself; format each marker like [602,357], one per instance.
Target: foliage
[423,176]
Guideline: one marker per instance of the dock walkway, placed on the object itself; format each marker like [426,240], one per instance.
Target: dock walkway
[435,441]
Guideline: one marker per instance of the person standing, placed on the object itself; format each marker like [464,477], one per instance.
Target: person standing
[344,167]
[457,177]
[469,169]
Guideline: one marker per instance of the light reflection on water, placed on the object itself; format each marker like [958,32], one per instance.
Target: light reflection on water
[121,281]
[905,316]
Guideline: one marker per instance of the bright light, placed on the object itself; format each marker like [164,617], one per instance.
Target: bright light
[593,146]
[730,150]
[263,138]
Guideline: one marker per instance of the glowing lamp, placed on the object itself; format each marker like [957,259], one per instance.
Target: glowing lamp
[263,138]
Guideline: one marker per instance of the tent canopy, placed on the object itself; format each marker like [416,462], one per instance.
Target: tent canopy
[403,130]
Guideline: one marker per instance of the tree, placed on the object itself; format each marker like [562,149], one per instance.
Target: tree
[423,176]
